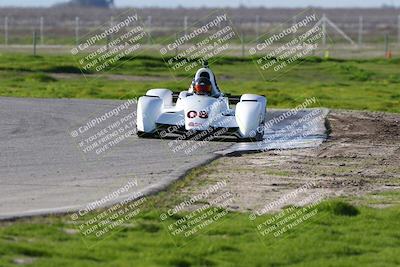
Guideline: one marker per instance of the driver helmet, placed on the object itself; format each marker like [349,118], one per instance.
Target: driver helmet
[202,86]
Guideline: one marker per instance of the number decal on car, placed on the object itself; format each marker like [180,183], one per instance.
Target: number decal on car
[192,114]
[203,114]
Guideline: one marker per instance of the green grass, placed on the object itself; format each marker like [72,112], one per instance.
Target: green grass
[333,237]
[339,234]
[347,84]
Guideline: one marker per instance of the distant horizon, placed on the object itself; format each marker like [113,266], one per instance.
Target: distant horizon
[223,3]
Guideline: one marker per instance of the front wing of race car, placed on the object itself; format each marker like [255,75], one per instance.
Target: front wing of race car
[225,127]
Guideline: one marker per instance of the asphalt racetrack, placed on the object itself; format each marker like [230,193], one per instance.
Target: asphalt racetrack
[54,157]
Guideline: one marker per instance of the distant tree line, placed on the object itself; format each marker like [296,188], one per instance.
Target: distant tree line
[90,3]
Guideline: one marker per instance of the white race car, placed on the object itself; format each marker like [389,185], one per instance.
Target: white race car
[202,108]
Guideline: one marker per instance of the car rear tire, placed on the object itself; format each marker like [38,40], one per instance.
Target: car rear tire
[141,134]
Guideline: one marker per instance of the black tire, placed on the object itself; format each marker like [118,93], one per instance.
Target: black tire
[257,138]
[141,134]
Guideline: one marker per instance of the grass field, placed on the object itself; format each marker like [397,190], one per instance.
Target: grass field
[338,235]
[348,84]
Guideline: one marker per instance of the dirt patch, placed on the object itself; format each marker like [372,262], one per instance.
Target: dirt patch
[362,155]
[23,261]
[114,77]
[121,77]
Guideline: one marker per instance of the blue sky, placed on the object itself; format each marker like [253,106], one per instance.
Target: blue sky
[224,3]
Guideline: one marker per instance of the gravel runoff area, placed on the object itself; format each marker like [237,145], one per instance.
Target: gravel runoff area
[360,158]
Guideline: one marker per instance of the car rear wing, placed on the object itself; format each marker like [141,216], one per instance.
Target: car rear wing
[175,96]
[233,99]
